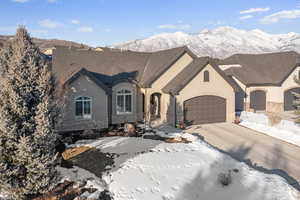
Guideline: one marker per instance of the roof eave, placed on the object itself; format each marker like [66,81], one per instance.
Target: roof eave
[263,84]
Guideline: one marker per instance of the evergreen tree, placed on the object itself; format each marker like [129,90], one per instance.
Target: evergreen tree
[27,119]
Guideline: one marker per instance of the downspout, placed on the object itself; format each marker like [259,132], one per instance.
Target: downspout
[145,106]
[245,104]
[175,110]
[109,104]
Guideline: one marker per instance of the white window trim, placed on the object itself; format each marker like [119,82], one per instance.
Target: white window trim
[131,94]
[85,117]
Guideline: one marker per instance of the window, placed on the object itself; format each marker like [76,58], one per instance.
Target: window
[206,76]
[83,107]
[124,102]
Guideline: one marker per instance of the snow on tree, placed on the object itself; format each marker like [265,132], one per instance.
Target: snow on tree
[27,119]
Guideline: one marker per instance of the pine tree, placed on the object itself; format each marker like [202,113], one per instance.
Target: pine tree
[27,119]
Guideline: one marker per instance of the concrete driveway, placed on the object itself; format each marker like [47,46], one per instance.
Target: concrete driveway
[259,151]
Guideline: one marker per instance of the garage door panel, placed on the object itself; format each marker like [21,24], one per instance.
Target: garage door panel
[289,99]
[205,109]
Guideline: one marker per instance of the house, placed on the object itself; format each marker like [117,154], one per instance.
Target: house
[112,86]
[266,80]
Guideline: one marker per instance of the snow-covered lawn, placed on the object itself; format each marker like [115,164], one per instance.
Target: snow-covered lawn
[155,170]
[148,169]
[285,130]
[190,172]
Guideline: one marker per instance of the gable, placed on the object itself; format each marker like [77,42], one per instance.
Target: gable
[84,85]
[289,81]
[191,71]
[216,84]
[91,76]
[172,71]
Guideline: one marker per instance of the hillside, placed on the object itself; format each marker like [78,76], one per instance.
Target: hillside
[220,42]
[44,43]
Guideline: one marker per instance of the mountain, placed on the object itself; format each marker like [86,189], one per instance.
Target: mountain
[220,42]
[44,44]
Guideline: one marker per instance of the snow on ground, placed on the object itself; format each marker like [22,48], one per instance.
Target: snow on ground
[189,172]
[286,130]
[166,131]
[3,196]
[79,175]
[148,169]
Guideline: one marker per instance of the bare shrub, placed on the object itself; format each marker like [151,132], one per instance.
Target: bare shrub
[225,178]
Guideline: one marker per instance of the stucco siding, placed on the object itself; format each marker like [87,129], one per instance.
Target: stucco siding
[162,81]
[165,103]
[83,86]
[274,94]
[216,86]
[290,83]
[135,115]
[176,68]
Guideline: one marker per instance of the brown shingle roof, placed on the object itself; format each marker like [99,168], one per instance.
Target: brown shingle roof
[189,72]
[159,62]
[262,69]
[111,65]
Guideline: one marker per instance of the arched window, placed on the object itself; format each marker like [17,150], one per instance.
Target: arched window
[206,76]
[83,107]
[124,101]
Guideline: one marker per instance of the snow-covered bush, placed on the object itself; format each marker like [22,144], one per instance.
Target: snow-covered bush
[225,178]
[27,118]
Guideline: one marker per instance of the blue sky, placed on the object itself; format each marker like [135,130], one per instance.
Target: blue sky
[104,22]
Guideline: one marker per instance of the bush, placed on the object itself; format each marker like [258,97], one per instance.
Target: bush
[225,178]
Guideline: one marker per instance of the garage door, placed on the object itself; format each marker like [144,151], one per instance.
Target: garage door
[289,99]
[258,100]
[205,109]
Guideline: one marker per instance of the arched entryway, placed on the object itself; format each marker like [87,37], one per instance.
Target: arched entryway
[258,100]
[289,99]
[155,106]
[205,109]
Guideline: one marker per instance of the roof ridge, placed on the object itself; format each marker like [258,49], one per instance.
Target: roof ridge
[260,54]
[145,67]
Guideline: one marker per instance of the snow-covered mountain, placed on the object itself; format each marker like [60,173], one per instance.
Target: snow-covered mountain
[220,42]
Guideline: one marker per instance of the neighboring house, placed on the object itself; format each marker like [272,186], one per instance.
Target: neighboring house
[108,86]
[266,80]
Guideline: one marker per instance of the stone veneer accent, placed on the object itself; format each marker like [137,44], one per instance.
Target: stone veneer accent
[275,107]
[270,107]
